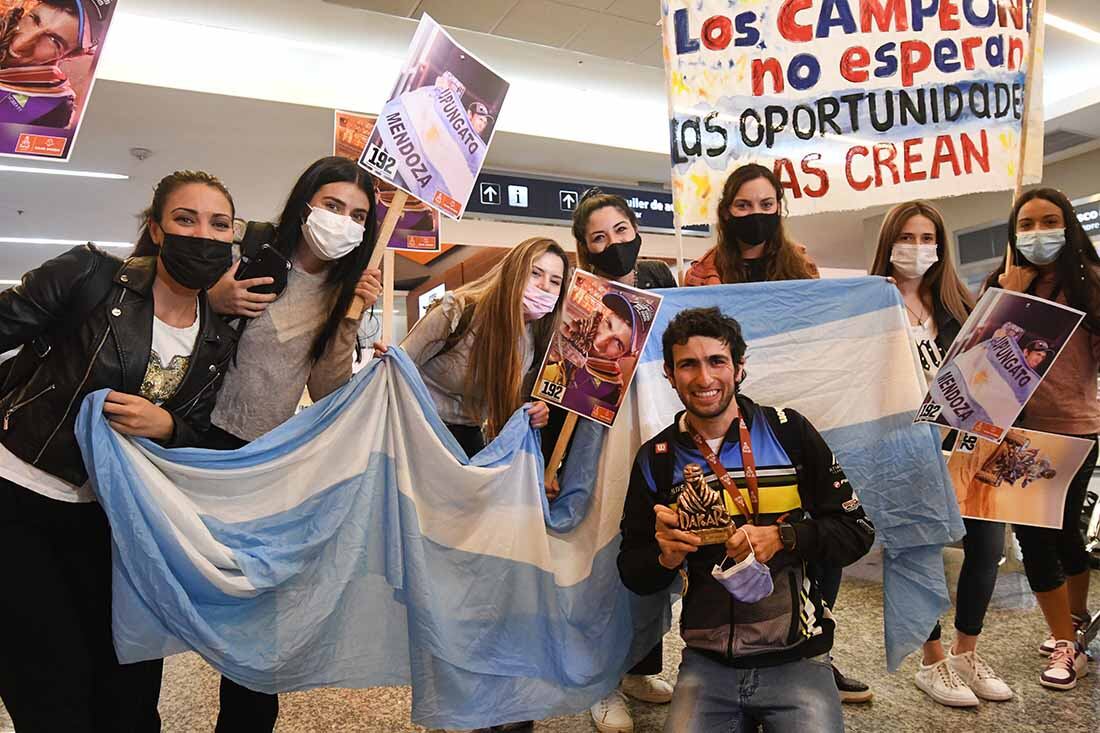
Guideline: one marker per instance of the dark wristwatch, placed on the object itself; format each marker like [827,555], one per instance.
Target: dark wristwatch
[787,535]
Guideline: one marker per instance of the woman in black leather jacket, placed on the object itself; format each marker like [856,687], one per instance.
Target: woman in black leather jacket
[88,321]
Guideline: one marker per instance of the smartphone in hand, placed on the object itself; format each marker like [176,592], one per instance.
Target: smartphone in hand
[267,262]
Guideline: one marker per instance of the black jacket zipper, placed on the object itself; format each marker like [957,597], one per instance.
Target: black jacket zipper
[11,410]
[79,387]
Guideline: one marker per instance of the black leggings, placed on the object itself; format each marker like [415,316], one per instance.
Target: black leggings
[1051,555]
[983,547]
[240,709]
[58,669]
[469,437]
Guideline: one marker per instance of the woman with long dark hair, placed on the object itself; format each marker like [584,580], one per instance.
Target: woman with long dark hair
[87,321]
[753,245]
[605,230]
[302,338]
[297,340]
[914,250]
[1055,260]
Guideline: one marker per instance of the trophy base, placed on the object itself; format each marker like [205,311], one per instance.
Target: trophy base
[715,536]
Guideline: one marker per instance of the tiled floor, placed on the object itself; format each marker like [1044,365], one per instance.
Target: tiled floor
[1013,629]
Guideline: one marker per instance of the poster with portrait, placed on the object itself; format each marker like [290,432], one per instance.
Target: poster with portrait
[434,132]
[996,363]
[591,359]
[49,50]
[1021,480]
[418,227]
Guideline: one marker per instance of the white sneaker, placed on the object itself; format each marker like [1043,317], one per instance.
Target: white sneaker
[979,676]
[611,714]
[1067,664]
[647,688]
[941,684]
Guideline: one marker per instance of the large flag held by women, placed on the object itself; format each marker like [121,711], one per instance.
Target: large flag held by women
[355,545]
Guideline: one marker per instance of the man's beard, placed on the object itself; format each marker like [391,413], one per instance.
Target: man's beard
[717,410]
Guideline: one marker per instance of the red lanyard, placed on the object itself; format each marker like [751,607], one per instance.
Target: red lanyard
[748,462]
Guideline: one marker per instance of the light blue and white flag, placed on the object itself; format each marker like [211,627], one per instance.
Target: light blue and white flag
[839,352]
[356,546]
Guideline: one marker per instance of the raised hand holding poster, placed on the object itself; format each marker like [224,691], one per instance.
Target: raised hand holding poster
[49,50]
[853,103]
[432,135]
[418,227]
[997,361]
[591,359]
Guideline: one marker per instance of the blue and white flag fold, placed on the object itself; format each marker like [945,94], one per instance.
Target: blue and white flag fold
[355,545]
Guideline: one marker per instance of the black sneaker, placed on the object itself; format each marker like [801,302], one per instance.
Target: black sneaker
[851,691]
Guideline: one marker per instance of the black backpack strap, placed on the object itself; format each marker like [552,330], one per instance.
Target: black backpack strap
[785,431]
[660,461]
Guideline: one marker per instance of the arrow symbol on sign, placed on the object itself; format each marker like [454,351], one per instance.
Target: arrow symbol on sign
[568,199]
[489,192]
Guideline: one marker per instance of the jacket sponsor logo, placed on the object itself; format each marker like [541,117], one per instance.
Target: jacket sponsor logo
[851,505]
[660,448]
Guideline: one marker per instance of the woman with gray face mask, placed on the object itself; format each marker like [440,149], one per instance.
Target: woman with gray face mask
[1055,260]
[298,339]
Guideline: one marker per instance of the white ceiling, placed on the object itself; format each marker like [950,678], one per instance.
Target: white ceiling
[617,29]
[259,145]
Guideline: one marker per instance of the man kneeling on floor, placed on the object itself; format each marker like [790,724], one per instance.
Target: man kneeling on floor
[757,633]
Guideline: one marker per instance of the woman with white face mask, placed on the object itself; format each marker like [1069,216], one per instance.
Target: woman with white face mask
[1054,259]
[914,250]
[296,340]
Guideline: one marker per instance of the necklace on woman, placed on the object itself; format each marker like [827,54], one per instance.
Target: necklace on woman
[920,319]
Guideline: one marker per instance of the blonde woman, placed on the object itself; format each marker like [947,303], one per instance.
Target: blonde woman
[913,249]
[476,348]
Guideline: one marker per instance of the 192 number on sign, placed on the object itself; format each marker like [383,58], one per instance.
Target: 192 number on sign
[551,390]
[378,159]
[929,411]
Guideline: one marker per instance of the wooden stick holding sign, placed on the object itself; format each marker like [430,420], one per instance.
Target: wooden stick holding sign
[393,214]
[550,479]
[1038,18]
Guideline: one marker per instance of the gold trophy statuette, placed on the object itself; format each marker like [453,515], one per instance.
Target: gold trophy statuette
[701,510]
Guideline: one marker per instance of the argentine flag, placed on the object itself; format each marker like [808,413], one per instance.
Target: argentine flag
[839,352]
[355,545]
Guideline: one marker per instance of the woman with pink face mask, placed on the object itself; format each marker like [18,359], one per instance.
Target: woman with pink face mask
[914,251]
[478,346]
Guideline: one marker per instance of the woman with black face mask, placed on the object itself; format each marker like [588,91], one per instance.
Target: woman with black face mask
[608,243]
[87,321]
[753,247]
[752,244]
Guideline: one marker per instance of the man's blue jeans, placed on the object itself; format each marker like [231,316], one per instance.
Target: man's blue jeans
[790,698]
